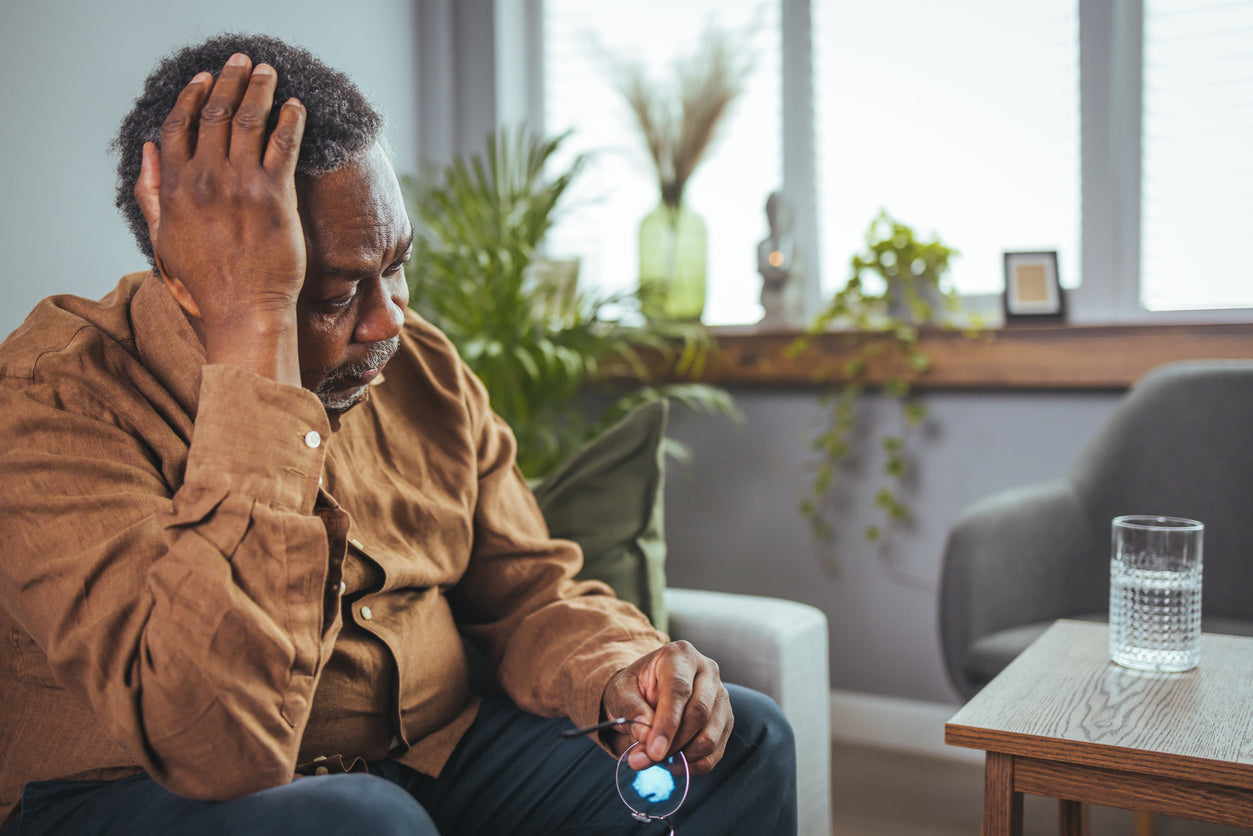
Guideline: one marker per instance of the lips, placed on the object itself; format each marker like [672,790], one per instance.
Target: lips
[356,381]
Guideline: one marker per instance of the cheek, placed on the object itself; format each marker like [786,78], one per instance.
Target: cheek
[323,342]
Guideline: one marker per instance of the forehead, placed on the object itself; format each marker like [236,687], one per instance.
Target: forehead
[355,207]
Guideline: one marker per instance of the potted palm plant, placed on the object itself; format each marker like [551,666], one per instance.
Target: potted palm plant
[479,274]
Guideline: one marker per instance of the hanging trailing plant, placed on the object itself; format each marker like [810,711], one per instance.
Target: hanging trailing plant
[896,286]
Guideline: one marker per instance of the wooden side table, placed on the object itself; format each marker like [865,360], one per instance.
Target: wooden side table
[1064,722]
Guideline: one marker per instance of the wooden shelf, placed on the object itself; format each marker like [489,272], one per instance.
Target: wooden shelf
[1018,357]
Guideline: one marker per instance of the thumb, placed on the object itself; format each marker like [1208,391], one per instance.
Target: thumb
[624,699]
[148,189]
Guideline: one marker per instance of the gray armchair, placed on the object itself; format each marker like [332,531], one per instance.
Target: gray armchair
[1179,444]
[779,648]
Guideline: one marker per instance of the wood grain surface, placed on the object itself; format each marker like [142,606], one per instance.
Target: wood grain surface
[1021,357]
[1062,699]
[1133,791]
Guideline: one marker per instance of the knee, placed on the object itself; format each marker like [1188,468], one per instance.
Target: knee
[760,723]
[350,804]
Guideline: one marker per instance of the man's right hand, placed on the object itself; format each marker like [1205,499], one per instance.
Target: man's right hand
[221,208]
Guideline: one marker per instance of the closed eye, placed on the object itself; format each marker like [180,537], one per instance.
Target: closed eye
[399,264]
[339,301]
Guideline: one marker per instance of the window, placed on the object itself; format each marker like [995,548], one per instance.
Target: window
[1197,154]
[960,119]
[972,119]
[618,188]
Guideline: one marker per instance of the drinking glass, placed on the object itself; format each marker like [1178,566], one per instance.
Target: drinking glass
[1155,593]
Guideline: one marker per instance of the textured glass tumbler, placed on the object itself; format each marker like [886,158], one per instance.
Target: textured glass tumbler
[1155,593]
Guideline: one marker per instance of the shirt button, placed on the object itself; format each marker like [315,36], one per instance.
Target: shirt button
[343,587]
[321,770]
[313,439]
[367,613]
[356,544]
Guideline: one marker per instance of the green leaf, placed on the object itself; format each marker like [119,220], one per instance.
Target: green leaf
[481,223]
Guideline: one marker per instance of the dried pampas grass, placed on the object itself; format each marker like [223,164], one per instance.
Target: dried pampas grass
[679,119]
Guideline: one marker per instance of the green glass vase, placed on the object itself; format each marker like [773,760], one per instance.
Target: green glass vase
[673,253]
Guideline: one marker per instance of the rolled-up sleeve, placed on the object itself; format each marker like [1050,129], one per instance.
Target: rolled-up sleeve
[556,641]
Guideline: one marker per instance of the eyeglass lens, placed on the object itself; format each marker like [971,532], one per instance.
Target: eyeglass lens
[655,792]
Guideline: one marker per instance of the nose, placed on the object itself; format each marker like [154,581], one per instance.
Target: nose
[383,311]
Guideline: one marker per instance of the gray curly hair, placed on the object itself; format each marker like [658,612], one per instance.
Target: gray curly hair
[341,123]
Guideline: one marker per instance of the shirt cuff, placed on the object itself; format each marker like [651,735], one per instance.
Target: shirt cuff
[258,436]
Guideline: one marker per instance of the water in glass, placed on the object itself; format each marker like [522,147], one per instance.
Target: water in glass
[1155,617]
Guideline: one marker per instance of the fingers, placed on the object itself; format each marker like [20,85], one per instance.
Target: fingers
[228,118]
[214,136]
[707,746]
[178,138]
[247,128]
[693,711]
[284,147]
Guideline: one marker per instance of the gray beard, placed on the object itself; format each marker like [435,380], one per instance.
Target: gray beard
[378,354]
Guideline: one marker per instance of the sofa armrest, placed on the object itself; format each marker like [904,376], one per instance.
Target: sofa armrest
[779,648]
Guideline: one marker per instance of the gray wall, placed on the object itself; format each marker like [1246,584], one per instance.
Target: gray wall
[732,523]
[73,67]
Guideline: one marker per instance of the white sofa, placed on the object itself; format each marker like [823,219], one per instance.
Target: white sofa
[779,648]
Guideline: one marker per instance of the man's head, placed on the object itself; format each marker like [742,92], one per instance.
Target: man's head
[341,123]
[356,231]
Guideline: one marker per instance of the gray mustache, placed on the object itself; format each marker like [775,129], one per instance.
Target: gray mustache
[378,354]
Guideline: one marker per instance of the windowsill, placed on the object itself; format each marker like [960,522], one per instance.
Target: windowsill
[1031,356]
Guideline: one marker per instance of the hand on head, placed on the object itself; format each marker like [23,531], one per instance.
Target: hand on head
[220,201]
[677,694]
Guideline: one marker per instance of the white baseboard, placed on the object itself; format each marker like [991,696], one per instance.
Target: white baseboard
[894,723]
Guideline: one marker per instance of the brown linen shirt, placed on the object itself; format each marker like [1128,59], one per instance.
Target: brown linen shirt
[198,579]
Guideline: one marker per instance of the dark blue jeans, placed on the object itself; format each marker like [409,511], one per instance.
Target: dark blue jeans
[511,775]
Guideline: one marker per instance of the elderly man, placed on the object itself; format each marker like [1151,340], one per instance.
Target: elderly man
[234,555]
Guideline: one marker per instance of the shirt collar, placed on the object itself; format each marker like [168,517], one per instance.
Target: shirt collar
[166,342]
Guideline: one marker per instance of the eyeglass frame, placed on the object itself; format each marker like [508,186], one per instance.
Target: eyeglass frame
[638,815]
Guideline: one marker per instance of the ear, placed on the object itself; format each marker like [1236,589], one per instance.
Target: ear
[179,291]
[148,196]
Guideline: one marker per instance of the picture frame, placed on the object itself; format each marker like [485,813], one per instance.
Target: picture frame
[1032,287]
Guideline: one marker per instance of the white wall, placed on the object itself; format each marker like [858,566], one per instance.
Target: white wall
[72,69]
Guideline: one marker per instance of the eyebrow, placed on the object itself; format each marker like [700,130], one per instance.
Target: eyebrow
[355,273]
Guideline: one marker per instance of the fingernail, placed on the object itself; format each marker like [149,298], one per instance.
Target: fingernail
[657,749]
[263,69]
[237,60]
[202,76]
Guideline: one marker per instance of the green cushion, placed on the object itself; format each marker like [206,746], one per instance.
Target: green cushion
[608,497]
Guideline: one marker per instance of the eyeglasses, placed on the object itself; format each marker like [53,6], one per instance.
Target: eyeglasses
[654,793]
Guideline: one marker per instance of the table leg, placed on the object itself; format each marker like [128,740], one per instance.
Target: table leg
[1144,823]
[1002,806]
[1073,818]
